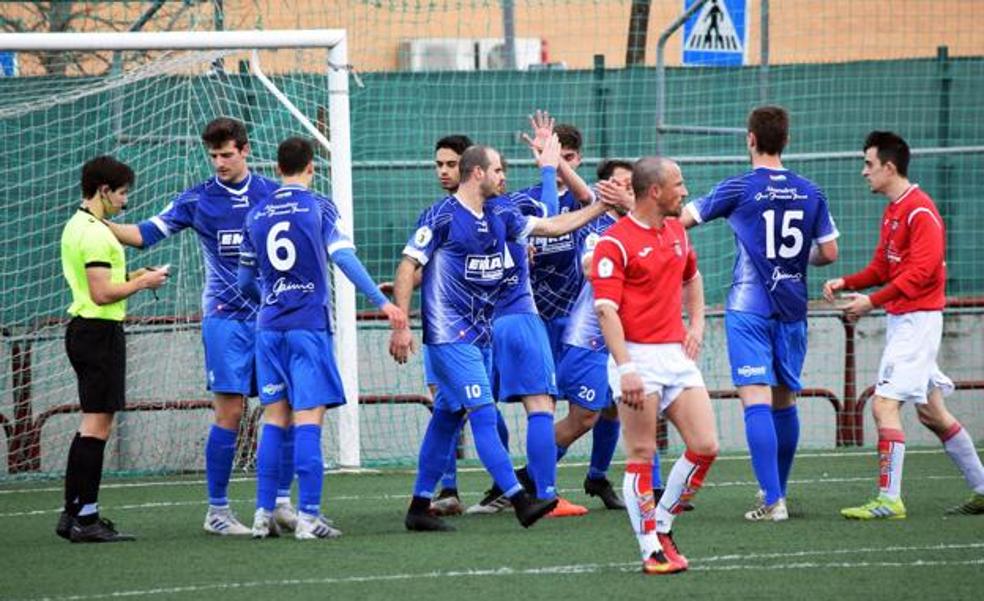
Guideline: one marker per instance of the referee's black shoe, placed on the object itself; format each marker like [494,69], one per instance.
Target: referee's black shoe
[101,531]
[602,488]
[530,509]
[65,523]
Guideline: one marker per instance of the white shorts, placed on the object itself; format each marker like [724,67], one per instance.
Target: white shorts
[908,369]
[664,368]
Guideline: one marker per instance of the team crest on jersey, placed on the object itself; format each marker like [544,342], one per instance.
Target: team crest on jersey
[229,241]
[591,241]
[484,268]
[422,236]
[606,268]
[677,248]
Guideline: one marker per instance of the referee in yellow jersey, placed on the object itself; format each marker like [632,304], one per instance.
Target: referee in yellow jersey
[95,267]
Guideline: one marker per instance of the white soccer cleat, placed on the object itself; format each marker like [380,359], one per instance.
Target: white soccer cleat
[776,512]
[285,516]
[310,527]
[224,523]
[264,525]
[493,502]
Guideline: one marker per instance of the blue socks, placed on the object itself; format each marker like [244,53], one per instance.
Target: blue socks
[541,453]
[450,478]
[310,465]
[220,451]
[604,440]
[441,434]
[490,450]
[268,460]
[657,476]
[787,437]
[286,464]
[760,431]
[500,425]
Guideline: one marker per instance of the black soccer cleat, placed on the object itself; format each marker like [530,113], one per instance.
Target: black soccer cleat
[602,488]
[530,509]
[65,523]
[523,475]
[101,531]
[424,522]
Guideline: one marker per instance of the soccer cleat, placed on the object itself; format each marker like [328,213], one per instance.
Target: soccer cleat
[265,525]
[447,503]
[566,509]
[65,523]
[310,527]
[602,488]
[881,508]
[523,475]
[101,531]
[425,522]
[224,523]
[659,564]
[494,501]
[776,512]
[530,509]
[671,550]
[973,506]
[285,516]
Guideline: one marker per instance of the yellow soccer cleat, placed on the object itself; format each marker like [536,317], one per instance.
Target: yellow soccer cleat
[882,508]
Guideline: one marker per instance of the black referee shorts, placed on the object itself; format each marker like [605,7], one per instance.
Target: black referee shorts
[97,350]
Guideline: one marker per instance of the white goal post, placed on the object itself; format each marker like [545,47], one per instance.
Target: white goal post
[338,144]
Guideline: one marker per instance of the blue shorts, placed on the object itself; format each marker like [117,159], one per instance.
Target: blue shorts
[765,351]
[555,334]
[230,347]
[582,377]
[298,365]
[461,373]
[523,363]
[429,378]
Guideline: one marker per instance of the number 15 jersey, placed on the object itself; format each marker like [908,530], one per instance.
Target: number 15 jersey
[776,215]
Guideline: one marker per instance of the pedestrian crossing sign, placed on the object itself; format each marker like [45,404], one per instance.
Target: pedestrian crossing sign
[716,35]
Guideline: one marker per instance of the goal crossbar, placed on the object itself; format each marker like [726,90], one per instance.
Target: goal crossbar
[172,40]
[339,140]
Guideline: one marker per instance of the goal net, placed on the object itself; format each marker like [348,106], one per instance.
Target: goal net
[149,111]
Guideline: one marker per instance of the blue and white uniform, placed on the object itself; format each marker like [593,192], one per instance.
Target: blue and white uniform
[215,210]
[464,260]
[522,358]
[556,276]
[582,372]
[288,239]
[775,215]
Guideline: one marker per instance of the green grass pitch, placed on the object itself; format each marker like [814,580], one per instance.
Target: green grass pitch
[815,555]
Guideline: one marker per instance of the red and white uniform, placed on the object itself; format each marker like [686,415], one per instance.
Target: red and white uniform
[910,261]
[640,271]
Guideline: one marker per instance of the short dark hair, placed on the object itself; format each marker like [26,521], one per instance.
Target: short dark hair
[104,171]
[221,130]
[570,137]
[607,168]
[475,155]
[770,124]
[294,155]
[458,143]
[891,149]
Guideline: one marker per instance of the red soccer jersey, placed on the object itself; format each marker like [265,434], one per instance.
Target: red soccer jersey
[909,257]
[640,270]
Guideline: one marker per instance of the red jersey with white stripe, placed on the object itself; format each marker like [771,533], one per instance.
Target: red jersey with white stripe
[910,256]
[640,271]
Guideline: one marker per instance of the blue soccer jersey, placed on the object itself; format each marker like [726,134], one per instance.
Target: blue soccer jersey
[776,215]
[216,211]
[556,276]
[516,295]
[464,258]
[288,237]
[583,329]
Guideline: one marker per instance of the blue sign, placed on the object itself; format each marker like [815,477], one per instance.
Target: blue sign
[717,35]
[8,64]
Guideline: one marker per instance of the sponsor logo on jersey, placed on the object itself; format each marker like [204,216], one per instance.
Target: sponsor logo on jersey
[645,252]
[777,177]
[772,193]
[547,246]
[283,285]
[276,210]
[272,389]
[484,268]
[747,371]
[229,241]
[778,275]
[482,226]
